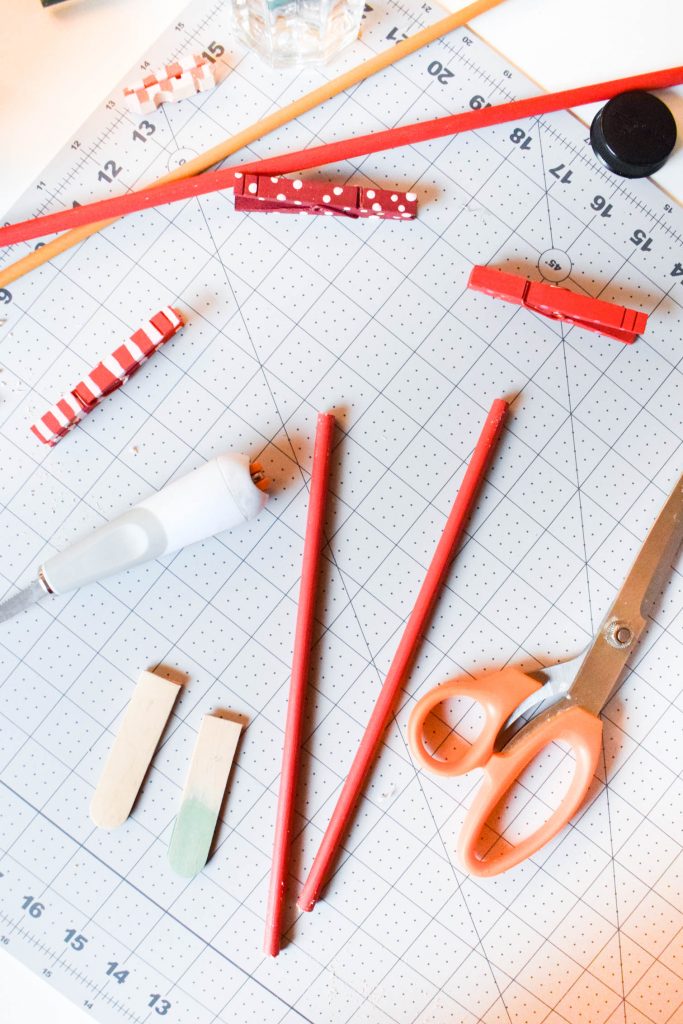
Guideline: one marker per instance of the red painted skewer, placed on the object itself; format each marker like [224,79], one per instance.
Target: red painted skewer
[297,688]
[336,152]
[410,640]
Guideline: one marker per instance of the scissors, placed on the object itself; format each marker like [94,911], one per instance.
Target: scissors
[566,707]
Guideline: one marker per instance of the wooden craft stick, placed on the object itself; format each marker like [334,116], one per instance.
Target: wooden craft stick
[332,152]
[412,635]
[143,723]
[202,796]
[270,123]
[310,572]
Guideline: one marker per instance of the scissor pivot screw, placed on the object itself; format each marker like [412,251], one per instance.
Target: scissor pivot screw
[619,635]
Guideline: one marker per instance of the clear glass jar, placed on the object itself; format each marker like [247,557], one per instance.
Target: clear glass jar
[290,32]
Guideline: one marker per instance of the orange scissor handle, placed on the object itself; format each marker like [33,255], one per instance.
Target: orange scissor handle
[498,695]
[575,726]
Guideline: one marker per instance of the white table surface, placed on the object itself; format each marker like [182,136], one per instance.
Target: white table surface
[57,63]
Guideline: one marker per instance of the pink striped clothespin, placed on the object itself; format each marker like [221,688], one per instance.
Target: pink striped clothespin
[171,83]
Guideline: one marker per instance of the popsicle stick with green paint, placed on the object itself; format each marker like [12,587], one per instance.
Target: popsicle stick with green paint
[202,796]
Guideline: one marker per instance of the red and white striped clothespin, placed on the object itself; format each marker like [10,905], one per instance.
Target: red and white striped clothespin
[107,376]
[171,83]
[265,194]
[59,419]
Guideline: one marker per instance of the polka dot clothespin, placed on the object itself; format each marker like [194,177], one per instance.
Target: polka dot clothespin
[266,194]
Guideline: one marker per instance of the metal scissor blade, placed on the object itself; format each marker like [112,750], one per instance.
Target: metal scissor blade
[557,681]
[21,601]
[530,709]
[626,619]
[623,625]
[652,566]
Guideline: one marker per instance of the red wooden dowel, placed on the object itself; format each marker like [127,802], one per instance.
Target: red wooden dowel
[336,152]
[412,635]
[297,688]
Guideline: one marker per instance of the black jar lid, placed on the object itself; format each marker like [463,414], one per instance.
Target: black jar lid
[634,134]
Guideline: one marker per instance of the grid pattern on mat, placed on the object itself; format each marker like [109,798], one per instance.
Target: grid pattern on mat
[287,316]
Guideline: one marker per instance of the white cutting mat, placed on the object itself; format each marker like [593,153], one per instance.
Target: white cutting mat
[288,315]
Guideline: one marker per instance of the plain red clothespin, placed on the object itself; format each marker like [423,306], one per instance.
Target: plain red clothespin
[264,194]
[107,376]
[561,304]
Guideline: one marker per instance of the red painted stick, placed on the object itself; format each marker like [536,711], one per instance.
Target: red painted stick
[412,635]
[297,687]
[336,152]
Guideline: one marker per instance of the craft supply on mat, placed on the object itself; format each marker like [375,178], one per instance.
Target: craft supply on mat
[381,336]
[262,193]
[270,123]
[223,493]
[333,152]
[405,653]
[292,33]
[107,377]
[571,701]
[303,636]
[634,134]
[138,736]
[176,81]
[203,793]
[59,419]
[584,311]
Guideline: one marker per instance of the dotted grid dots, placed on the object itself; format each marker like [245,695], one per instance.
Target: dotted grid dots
[287,316]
